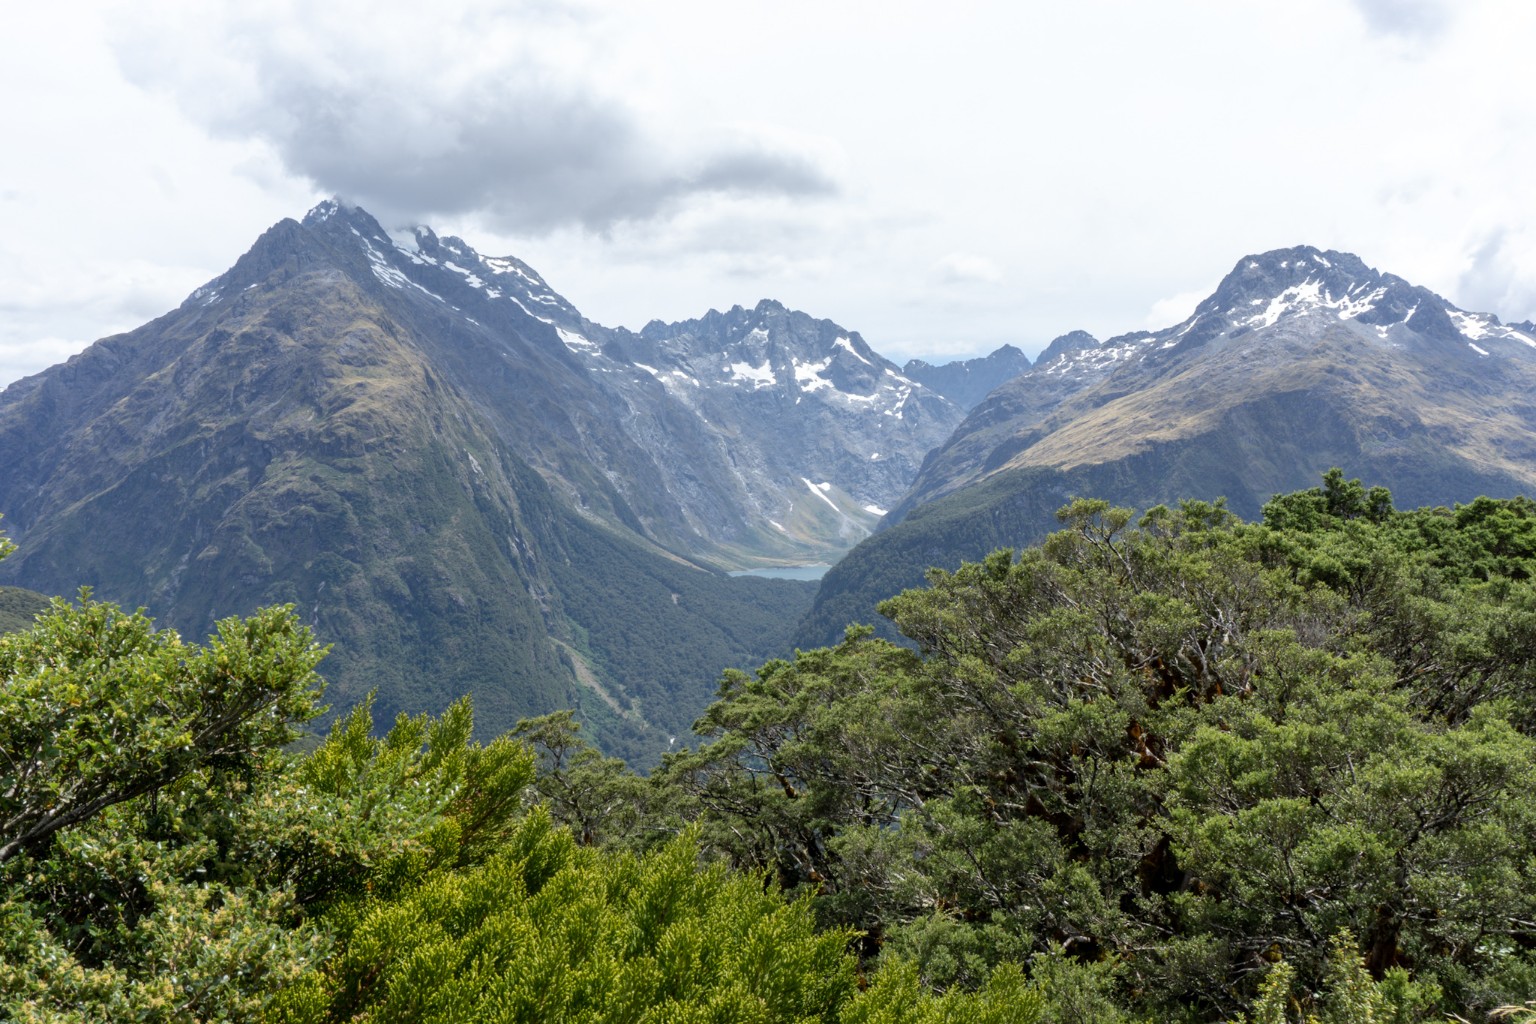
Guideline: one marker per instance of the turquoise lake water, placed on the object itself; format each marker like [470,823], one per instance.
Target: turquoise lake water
[788,572]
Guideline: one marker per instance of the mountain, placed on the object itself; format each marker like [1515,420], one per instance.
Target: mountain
[967,382]
[461,482]
[821,431]
[1300,360]
[739,438]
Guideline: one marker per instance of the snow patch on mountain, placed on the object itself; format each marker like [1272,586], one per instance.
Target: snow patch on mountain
[811,376]
[1481,326]
[577,343]
[757,376]
[846,344]
[1103,355]
[820,490]
[1315,295]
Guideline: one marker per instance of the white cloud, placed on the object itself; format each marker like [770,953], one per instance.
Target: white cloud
[1500,275]
[967,268]
[1174,309]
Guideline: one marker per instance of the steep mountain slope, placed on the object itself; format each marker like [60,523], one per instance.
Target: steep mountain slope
[821,431]
[1299,361]
[966,382]
[461,482]
[717,438]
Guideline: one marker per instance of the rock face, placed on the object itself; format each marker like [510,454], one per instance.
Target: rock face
[464,484]
[1301,360]
[967,382]
[820,432]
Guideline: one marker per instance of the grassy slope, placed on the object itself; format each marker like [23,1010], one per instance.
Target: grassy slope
[1278,444]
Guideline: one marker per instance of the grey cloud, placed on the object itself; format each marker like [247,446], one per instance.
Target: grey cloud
[760,171]
[1414,19]
[522,145]
[1492,284]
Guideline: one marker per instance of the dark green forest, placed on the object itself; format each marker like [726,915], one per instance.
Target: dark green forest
[1161,767]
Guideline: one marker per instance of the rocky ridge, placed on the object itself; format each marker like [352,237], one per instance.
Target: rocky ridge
[1298,322]
[966,382]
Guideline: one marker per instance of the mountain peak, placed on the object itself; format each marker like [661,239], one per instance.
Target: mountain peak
[1281,285]
[1300,359]
[1072,341]
[1270,274]
[411,441]
[323,211]
[340,210]
[967,382]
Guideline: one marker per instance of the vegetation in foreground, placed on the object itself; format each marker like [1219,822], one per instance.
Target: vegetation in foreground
[1181,768]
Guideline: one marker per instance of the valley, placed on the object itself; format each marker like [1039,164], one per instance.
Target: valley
[609,567]
[458,479]
[468,487]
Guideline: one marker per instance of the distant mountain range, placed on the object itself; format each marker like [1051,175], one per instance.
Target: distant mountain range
[1299,361]
[467,486]
[464,484]
[966,382]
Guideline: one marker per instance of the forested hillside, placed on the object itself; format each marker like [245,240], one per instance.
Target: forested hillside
[1166,767]
[1178,748]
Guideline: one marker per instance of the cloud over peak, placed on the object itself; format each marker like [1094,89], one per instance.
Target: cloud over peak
[498,111]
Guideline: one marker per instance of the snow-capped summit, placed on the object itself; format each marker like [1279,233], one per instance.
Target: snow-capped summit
[1301,289]
[1347,362]
[701,433]
[1264,290]
[445,268]
[778,352]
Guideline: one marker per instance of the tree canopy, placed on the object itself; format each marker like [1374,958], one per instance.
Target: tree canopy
[1181,748]
[1170,767]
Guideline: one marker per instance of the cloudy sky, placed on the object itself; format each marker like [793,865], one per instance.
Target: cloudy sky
[943,179]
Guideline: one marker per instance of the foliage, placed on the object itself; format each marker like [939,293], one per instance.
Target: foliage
[167,861]
[598,798]
[548,931]
[363,814]
[376,878]
[1349,994]
[1175,767]
[98,707]
[1185,747]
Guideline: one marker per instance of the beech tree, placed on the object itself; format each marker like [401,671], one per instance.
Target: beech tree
[1180,749]
[98,707]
